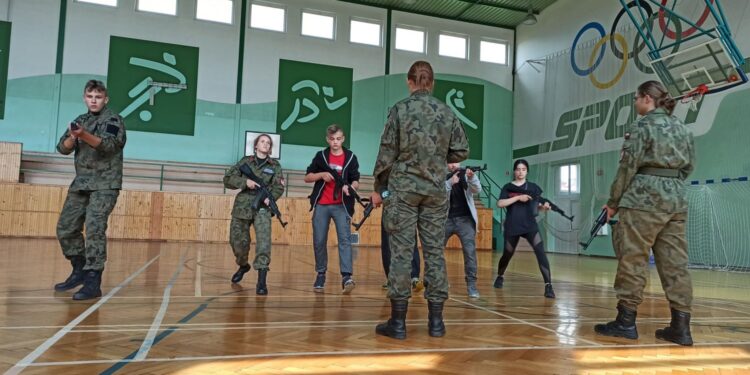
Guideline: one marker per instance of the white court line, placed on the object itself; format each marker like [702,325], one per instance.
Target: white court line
[31,357]
[148,342]
[199,274]
[376,352]
[525,321]
[358,325]
[333,323]
[231,296]
[701,305]
[368,296]
[721,308]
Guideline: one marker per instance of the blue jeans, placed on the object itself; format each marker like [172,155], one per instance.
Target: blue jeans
[321,220]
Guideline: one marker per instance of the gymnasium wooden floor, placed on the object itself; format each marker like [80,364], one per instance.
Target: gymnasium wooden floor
[170,308]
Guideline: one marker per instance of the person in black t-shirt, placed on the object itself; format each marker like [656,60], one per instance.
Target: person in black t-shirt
[521,210]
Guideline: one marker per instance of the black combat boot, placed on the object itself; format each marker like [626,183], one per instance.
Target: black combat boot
[260,287]
[499,282]
[92,282]
[622,326]
[548,291]
[237,277]
[395,327]
[76,277]
[678,331]
[435,319]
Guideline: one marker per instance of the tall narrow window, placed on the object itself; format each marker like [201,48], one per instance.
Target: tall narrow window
[568,177]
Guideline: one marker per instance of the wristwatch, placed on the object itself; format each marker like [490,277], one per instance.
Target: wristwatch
[385,194]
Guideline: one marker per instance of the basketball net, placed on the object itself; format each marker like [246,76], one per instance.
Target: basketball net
[694,96]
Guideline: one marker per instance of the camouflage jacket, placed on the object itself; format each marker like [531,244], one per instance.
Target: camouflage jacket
[421,135]
[98,168]
[269,171]
[657,140]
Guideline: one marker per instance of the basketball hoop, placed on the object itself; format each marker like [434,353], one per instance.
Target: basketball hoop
[693,97]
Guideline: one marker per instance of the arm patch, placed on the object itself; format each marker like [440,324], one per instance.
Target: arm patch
[113,129]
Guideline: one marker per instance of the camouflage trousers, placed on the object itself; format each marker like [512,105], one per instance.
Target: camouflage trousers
[664,233]
[403,213]
[239,239]
[92,209]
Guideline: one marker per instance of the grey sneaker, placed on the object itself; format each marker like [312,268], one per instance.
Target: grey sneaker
[347,284]
[471,289]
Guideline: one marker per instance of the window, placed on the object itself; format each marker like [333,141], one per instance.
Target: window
[112,3]
[569,181]
[268,17]
[168,7]
[317,25]
[215,10]
[493,52]
[452,46]
[364,32]
[410,40]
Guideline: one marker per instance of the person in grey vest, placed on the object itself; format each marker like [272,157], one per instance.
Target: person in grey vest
[462,184]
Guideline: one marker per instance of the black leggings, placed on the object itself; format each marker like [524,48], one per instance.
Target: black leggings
[535,240]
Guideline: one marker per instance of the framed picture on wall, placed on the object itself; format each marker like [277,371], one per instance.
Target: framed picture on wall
[275,148]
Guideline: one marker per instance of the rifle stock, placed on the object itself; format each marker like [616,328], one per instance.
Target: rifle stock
[598,224]
[366,214]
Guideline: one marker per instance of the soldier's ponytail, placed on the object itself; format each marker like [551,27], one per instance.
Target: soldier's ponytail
[661,96]
[421,74]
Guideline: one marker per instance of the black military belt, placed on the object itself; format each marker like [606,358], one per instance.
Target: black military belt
[659,172]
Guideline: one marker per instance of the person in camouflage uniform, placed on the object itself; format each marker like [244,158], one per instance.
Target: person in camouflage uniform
[420,136]
[649,196]
[243,215]
[97,138]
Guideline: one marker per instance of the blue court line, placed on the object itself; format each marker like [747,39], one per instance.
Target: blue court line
[148,342]
[163,335]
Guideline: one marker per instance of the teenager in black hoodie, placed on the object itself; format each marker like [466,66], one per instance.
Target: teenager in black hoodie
[332,200]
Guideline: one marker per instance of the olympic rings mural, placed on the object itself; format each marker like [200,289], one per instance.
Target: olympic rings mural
[619,46]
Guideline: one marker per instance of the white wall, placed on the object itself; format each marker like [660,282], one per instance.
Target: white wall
[264,48]
[4,8]
[554,33]
[559,23]
[88,29]
[402,60]
[33,39]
